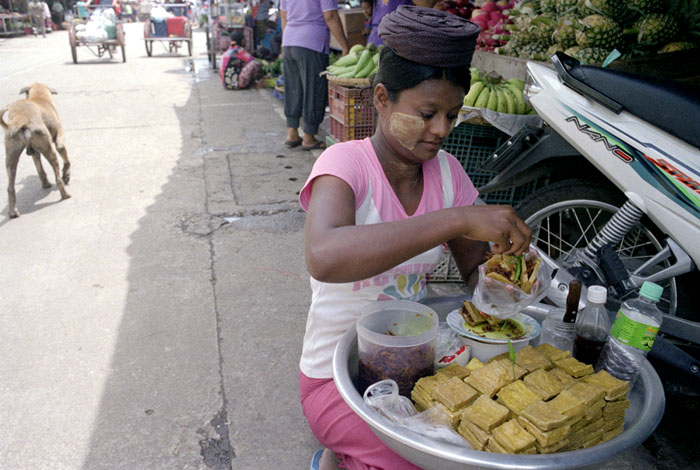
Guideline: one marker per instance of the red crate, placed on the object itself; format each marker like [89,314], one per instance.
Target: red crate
[176,26]
[351,106]
[342,133]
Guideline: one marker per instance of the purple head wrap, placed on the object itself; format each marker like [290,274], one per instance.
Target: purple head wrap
[429,37]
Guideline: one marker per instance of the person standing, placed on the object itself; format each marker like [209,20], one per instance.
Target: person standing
[306,29]
[38,17]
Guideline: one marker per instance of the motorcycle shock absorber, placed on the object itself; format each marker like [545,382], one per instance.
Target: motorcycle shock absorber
[617,227]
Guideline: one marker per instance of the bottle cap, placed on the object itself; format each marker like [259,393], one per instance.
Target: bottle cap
[597,294]
[651,291]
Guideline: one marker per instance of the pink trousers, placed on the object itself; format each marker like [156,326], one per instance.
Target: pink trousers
[338,428]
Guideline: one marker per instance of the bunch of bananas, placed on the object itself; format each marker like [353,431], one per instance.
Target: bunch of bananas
[493,92]
[360,62]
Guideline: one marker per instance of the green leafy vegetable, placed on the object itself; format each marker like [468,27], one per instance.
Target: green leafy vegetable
[511,354]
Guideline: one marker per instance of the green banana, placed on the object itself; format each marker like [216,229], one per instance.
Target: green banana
[511,107]
[375,58]
[366,71]
[517,82]
[473,94]
[483,98]
[493,100]
[501,101]
[475,75]
[521,107]
[356,48]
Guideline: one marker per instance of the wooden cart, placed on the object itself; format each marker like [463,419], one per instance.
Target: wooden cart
[173,42]
[98,48]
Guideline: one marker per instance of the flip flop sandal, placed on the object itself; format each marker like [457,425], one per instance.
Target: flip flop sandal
[292,143]
[316,460]
[318,145]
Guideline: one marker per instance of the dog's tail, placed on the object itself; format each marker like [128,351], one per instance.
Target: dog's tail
[2,120]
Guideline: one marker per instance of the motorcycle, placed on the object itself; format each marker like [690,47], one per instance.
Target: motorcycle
[622,153]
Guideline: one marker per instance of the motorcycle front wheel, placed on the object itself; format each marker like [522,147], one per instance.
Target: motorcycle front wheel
[567,215]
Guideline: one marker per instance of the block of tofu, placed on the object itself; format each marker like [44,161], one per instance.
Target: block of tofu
[543,384]
[513,436]
[615,414]
[551,449]
[568,404]
[592,414]
[476,436]
[551,352]
[565,379]
[517,396]
[455,394]
[489,379]
[421,400]
[544,416]
[615,388]
[454,416]
[485,413]
[474,363]
[590,394]
[594,426]
[613,432]
[515,371]
[593,438]
[574,367]
[493,446]
[426,386]
[545,438]
[576,437]
[454,370]
[531,359]
[505,355]
[610,424]
[617,405]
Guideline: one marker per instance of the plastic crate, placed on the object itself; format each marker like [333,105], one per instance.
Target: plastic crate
[343,133]
[472,145]
[351,106]
[446,270]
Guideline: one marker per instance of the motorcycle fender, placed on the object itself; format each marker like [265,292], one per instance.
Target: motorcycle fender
[514,160]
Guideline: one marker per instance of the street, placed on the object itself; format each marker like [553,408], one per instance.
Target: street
[154,320]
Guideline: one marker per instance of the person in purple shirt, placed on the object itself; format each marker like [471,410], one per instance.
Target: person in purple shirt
[306,29]
[380,8]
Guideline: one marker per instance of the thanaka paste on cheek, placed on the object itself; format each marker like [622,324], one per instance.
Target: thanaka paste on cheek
[406,129]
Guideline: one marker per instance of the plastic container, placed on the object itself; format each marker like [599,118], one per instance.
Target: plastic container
[556,332]
[592,326]
[632,334]
[396,340]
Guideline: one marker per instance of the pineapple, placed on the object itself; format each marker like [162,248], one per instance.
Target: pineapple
[677,46]
[645,7]
[592,55]
[598,31]
[572,51]
[614,9]
[565,33]
[567,7]
[655,28]
[534,51]
[543,29]
[556,47]
[548,6]
[513,46]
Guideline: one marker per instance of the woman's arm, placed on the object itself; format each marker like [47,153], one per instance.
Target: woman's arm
[333,21]
[337,250]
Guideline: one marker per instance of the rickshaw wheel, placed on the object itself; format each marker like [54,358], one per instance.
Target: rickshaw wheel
[149,47]
[189,47]
[147,29]
[109,48]
[121,40]
[188,35]
[123,53]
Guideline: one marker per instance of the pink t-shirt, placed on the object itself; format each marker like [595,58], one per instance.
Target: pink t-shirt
[335,307]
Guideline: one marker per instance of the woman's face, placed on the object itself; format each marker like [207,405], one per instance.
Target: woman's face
[422,117]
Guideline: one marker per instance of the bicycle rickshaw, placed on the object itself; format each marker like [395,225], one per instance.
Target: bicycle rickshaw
[173,31]
[115,38]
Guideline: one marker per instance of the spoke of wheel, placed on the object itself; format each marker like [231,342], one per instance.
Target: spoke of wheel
[557,238]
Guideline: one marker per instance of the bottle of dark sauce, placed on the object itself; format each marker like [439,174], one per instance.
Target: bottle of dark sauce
[592,326]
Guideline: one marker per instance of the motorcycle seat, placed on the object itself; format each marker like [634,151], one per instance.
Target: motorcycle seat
[669,105]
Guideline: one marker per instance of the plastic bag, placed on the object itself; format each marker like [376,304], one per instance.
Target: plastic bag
[450,348]
[433,422]
[503,300]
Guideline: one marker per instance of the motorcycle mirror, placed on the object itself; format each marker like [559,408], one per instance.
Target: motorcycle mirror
[558,288]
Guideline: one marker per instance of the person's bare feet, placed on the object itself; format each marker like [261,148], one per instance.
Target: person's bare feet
[328,460]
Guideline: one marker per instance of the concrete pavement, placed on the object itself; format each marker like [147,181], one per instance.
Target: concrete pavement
[154,320]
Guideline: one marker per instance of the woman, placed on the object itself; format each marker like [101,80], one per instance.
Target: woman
[378,211]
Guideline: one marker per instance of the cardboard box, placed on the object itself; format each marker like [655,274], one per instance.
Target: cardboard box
[353,38]
[353,20]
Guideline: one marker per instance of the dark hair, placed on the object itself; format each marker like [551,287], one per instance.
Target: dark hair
[398,74]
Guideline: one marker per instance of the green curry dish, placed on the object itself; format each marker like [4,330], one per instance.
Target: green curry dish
[507,329]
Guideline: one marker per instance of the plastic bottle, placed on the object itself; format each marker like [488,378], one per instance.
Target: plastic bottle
[632,334]
[559,328]
[592,326]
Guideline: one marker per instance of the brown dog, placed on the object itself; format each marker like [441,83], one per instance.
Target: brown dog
[33,124]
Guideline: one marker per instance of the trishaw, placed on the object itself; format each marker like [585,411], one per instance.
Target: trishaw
[100,47]
[182,28]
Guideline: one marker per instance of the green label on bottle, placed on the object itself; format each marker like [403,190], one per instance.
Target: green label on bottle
[633,333]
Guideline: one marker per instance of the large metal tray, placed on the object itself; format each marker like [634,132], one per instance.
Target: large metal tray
[647,407]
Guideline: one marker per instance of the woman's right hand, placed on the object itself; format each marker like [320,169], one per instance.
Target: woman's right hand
[499,225]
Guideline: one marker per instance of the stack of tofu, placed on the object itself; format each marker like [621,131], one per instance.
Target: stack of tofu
[546,401]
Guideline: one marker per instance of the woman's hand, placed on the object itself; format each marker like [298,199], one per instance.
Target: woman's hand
[499,225]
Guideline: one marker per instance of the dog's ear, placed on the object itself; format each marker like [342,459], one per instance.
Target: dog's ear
[53,92]
[24,90]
